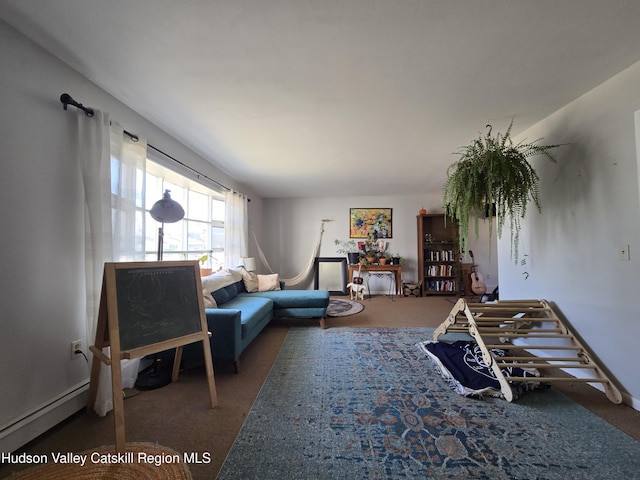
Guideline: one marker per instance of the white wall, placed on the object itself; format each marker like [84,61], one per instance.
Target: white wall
[292,226]
[41,280]
[589,209]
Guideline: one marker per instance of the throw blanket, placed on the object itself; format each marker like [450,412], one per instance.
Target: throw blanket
[462,365]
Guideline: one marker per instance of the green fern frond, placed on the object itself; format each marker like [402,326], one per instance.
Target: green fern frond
[492,170]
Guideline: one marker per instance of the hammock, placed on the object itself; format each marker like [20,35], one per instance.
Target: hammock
[308,268]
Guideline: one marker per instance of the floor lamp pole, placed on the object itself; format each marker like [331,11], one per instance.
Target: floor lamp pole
[164,211]
[160,241]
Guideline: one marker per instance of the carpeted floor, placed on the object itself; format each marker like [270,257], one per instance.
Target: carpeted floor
[178,416]
[366,403]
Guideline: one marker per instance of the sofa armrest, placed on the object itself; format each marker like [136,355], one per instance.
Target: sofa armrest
[225,327]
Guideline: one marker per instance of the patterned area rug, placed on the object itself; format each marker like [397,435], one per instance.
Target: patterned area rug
[342,308]
[348,403]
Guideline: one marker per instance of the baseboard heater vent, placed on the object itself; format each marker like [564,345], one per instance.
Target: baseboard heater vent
[22,430]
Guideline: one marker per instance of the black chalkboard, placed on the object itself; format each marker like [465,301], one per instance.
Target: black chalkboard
[156,302]
[145,308]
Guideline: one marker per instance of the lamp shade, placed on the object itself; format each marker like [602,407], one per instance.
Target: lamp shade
[167,210]
[249,263]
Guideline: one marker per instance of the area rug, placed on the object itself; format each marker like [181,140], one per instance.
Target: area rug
[347,403]
[342,308]
[140,461]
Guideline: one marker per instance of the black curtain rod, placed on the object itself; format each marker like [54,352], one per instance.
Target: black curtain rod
[66,100]
[187,166]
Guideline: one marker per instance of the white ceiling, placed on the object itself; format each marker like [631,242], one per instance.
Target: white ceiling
[317,98]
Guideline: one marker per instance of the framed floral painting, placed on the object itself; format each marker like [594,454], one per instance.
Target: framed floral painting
[366,221]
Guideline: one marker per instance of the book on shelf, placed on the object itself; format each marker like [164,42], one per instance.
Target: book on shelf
[440,270]
[442,286]
[440,255]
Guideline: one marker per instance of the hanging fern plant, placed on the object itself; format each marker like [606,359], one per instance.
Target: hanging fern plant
[493,171]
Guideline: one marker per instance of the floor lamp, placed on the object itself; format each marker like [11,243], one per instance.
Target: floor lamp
[164,211]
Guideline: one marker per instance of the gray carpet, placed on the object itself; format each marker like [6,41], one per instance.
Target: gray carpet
[348,403]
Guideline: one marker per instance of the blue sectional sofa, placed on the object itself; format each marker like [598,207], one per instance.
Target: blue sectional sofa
[239,315]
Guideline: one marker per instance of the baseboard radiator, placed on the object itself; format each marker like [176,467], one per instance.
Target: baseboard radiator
[22,430]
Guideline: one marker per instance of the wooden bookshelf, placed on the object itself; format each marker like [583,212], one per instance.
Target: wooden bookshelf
[438,255]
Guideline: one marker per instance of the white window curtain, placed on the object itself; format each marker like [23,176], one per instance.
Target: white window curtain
[102,146]
[236,228]
[128,167]
[93,158]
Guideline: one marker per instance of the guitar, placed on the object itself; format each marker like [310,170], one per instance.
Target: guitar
[477,285]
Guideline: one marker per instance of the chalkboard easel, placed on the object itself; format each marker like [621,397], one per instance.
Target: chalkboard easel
[147,308]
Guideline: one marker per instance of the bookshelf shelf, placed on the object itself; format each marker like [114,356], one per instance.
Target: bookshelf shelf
[438,255]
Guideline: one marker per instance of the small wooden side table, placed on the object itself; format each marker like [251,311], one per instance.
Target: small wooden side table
[396,269]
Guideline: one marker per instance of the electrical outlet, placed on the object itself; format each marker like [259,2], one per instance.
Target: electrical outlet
[623,253]
[75,346]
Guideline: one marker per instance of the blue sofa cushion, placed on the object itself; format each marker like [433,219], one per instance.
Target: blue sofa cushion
[252,310]
[225,294]
[240,287]
[221,296]
[294,298]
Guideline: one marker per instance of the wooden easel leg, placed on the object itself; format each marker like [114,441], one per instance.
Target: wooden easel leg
[176,364]
[118,404]
[208,363]
[93,382]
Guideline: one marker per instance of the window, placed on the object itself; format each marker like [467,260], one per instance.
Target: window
[200,233]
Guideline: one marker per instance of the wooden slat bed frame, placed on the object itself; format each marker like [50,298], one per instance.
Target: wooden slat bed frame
[498,323]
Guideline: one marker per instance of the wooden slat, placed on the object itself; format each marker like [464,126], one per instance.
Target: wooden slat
[557,379]
[506,320]
[530,335]
[546,365]
[484,307]
[546,359]
[507,346]
[507,331]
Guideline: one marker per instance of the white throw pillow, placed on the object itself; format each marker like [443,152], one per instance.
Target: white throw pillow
[236,273]
[209,301]
[217,280]
[268,282]
[250,281]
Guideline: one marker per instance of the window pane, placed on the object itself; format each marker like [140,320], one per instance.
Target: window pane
[217,210]
[200,232]
[216,261]
[198,206]
[217,239]
[198,240]
[173,239]
[153,191]
[174,256]
[151,236]
[176,192]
